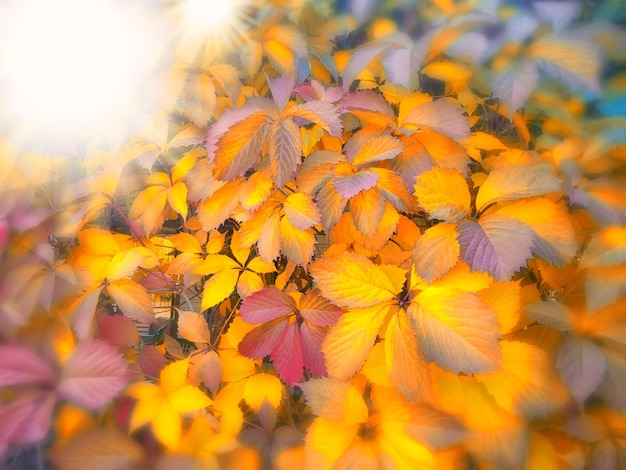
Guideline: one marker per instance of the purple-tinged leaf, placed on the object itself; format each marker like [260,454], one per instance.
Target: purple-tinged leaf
[151,360]
[368,100]
[497,244]
[19,365]
[26,419]
[312,92]
[582,366]
[348,183]
[612,388]
[281,89]
[266,305]
[514,86]
[285,148]
[403,64]
[323,114]
[440,116]
[312,337]
[93,375]
[287,355]
[560,14]
[361,58]
[262,340]
[317,310]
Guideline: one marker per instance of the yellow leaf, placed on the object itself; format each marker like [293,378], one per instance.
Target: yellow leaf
[367,209]
[297,244]
[443,193]
[185,242]
[326,441]
[375,367]
[505,300]
[336,400]
[214,210]
[248,283]
[219,287]
[445,152]
[177,198]
[406,364]
[515,182]
[256,189]
[126,262]
[132,300]
[98,242]
[352,280]
[301,211]
[148,207]
[456,330]
[216,263]
[437,251]
[350,340]
[259,266]
[161,406]
[261,387]
[193,327]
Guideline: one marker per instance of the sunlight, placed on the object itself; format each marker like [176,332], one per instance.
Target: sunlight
[71,66]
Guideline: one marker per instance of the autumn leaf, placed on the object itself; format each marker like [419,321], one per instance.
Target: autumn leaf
[516,182]
[496,243]
[162,405]
[352,280]
[456,330]
[443,193]
[436,251]
[19,365]
[132,300]
[93,374]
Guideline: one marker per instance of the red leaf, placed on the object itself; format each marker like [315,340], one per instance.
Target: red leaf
[118,330]
[312,337]
[93,375]
[287,356]
[266,305]
[317,310]
[151,361]
[261,341]
[26,419]
[19,365]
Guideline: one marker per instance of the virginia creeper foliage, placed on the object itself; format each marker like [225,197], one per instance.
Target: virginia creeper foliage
[351,239]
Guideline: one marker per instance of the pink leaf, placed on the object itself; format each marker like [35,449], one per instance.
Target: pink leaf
[93,375]
[118,330]
[281,89]
[210,371]
[317,310]
[26,419]
[287,356]
[20,365]
[261,341]
[349,185]
[321,113]
[312,337]
[266,305]
[156,281]
[440,116]
[369,100]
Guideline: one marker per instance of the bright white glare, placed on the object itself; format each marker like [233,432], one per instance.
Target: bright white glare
[214,24]
[211,13]
[73,66]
